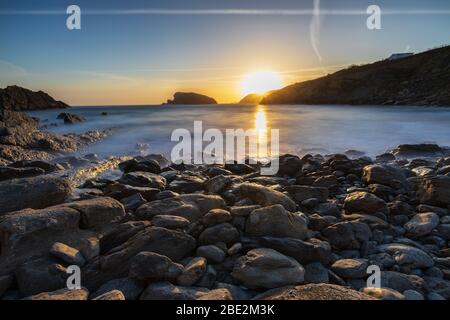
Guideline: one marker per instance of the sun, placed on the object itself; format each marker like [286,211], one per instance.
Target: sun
[260,82]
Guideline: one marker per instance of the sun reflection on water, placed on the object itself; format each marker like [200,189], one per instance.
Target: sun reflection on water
[261,132]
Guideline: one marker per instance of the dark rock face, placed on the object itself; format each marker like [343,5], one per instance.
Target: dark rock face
[36,192]
[252,98]
[423,79]
[190,98]
[20,99]
[70,118]
[314,292]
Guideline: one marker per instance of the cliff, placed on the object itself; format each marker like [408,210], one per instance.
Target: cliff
[20,99]
[422,79]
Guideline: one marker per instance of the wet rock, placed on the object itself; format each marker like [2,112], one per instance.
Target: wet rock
[267,268]
[350,268]
[384,293]
[190,206]
[400,208]
[444,231]
[111,295]
[328,182]
[265,196]
[422,224]
[48,167]
[216,171]
[70,118]
[239,168]
[301,193]
[289,165]
[217,294]
[67,254]
[168,291]
[144,179]
[192,272]
[407,255]
[314,292]
[234,249]
[170,222]
[224,232]
[130,288]
[216,216]
[364,202]
[277,222]
[434,191]
[212,253]
[36,193]
[62,294]
[151,266]
[385,175]
[327,209]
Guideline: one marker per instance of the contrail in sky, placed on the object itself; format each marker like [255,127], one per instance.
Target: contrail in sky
[231,12]
[314,29]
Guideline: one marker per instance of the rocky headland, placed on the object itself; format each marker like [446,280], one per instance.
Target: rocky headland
[422,79]
[190,98]
[173,231]
[20,99]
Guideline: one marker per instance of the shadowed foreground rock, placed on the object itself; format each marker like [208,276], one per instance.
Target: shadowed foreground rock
[314,292]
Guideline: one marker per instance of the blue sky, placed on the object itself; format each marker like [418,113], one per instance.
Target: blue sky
[142,56]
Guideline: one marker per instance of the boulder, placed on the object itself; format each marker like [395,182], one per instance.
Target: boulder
[347,235]
[422,224]
[276,221]
[364,202]
[120,234]
[61,294]
[170,222]
[316,273]
[144,179]
[67,254]
[400,281]
[212,253]
[111,295]
[35,192]
[98,212]
[407,255]
[265,196]
[433,191]
[383,293]
[328,292]
[151,266]
[217,183]
[116,263]
[301,193]
[223,232]
[190,206]
[192,272]
[385,175]
[312,250]
[216,216]
[168,291]
[130,288]
[217,294]
[351,268]
[267,268]
[8,173]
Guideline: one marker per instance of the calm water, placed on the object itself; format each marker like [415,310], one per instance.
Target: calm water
[324,129]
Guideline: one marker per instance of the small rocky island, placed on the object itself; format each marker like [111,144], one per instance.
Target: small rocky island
[190,98]
[252,98]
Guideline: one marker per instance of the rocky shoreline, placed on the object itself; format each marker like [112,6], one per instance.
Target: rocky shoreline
[175,231]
